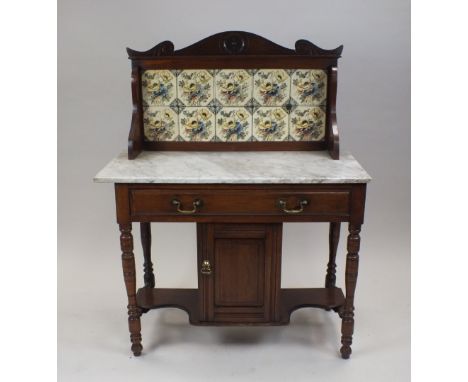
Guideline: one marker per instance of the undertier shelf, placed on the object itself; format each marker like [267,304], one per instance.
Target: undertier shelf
[289,300]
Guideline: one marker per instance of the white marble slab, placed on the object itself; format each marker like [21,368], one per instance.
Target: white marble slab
[233,167]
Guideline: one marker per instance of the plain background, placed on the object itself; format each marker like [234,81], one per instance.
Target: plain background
[94,115]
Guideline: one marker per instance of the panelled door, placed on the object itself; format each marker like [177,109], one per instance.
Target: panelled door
[239,272]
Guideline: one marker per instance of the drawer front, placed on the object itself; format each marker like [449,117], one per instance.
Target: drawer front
[206,202]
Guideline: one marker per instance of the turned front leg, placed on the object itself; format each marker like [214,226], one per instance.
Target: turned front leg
[128,264]
[333,238]
[352,264]
[145,231]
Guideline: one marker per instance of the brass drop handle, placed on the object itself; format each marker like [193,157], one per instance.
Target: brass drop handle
[196,203]
[205,268]
[302,204]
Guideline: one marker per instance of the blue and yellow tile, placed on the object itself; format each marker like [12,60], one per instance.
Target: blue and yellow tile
[196,124]
[271,87]
[158,87]
[270,124]
[233,124]
[160,124]
[233,87]
[195,87]
[307,123]
[309,86]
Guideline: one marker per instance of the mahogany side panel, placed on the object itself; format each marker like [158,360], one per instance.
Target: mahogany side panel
[333,140]
[135,137]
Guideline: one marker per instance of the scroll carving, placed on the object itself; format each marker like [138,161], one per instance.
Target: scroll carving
[305,47]
[165,48]
[236,43]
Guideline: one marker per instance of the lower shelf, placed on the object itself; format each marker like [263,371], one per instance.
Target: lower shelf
[296,298]
[290,299]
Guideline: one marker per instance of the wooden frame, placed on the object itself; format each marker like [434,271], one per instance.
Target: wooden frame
[239,226]
[218,218]
[241,50]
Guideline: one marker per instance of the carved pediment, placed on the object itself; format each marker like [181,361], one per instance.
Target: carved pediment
[235,43]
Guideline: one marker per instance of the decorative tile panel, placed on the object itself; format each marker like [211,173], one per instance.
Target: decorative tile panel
[234,105]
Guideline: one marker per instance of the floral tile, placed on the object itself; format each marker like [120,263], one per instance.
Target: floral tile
[307,123]
[195,87]
[160,124]
[158,87]
[271,87]
[270,124]
[233,87]
[233,124]
[309,86]
[196,124]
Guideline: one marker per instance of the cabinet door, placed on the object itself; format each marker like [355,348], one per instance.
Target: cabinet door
[239,275]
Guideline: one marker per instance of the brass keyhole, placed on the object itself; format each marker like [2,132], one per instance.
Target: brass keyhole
[205,268]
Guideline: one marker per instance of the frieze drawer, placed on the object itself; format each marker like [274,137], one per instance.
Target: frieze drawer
[228,201]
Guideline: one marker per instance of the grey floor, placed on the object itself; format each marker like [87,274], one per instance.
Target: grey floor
[93,334]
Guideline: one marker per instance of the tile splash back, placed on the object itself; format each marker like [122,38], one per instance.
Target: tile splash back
[234,105]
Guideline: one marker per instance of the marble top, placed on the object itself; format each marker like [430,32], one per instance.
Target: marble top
[233,167]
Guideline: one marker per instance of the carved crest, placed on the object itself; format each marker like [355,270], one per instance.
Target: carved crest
[236,43]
